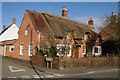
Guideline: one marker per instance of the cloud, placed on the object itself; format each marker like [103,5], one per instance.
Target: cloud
[97,21]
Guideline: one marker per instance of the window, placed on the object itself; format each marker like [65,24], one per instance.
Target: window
[96,49]
[68,36]
[26,32]
[63,50]
[21,49]
[11,48]
[30,50]
[85,37]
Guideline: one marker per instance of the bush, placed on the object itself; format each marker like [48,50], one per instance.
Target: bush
[39,52]
[110,47]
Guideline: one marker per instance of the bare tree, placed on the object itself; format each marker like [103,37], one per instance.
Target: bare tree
[105,21]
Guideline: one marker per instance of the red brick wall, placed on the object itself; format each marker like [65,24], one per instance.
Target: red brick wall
[25,39]
[8,53]
[7,47]
[39,61]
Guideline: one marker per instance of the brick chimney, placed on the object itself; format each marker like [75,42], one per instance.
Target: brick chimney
[14,21]
[65,12]
[4,27]
[113,17]
[91,22]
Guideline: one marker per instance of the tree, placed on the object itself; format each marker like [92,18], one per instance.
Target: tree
[112,44]
[105,21]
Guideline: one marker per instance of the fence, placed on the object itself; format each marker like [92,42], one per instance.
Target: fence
[90,62]
[39,61]
[59,63]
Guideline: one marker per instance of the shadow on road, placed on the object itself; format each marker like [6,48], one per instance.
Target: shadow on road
[35,70]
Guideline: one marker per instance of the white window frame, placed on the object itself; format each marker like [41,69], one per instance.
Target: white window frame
[10,48]
[68,36]
[59,46]
[99,51]
[29,50]
[26,32]
[21,49]
[85,37]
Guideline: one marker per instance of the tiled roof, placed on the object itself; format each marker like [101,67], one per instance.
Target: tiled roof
[8,42]
[110,31]
[39,22]
[5,29]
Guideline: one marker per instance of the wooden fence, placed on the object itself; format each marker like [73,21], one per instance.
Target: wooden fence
[60,63]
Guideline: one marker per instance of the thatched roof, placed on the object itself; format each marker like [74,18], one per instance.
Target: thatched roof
[58,25]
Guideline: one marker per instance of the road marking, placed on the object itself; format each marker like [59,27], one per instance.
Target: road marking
[49,76]
[115,69]
[97,71]
[37,76]
[109,70]
[26,77]
[15,69]
[12,77]
[58,75]
[91,72]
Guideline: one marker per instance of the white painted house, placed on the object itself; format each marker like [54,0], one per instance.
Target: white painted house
[9,33]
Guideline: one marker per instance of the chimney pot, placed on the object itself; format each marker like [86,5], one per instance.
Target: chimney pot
[113,17]
[4,27]
[14,21]
[91,22]
[113,14]
[65,12]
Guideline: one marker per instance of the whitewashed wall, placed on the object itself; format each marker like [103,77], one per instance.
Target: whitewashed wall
[10,34]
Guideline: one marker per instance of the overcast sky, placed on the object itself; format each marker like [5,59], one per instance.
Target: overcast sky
[80,11]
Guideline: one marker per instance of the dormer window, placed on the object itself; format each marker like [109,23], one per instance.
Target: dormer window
[85,37]
[68,36]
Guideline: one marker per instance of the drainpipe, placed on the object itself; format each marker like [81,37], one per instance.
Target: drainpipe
[31,43]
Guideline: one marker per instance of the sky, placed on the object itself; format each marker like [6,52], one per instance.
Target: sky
[80,11]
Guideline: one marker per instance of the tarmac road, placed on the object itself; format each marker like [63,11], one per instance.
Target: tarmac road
[16,69]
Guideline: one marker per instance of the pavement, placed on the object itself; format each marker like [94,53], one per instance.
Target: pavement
[102,72]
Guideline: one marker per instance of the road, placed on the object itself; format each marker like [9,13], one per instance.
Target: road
[16,69]
[112,73]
